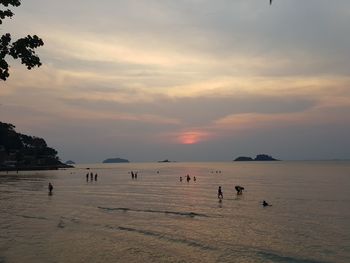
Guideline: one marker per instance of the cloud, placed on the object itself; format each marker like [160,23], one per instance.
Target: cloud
[127,73]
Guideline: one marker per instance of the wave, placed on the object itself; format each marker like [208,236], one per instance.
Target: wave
[242,253]
[274,257]
[61,224]
[163,237]
[33,217]
[187,214]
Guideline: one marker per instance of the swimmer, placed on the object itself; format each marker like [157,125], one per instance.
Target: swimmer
[264,203]
[239,189]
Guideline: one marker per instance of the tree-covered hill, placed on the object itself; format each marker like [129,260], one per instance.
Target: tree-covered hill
[20,151]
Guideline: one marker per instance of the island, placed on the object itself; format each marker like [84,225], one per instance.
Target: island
[164,161]
[258,158]
[243,159]
[21,152]
[116,160]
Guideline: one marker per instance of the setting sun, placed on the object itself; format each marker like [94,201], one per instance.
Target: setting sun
[191,137]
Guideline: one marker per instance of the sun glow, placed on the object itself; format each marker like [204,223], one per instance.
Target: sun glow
[192,137]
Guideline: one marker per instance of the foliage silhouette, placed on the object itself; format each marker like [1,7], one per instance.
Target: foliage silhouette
[24,150]
[22,48]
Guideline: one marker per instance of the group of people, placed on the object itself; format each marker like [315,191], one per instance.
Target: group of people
[188,178]
[239,190]
[91,176]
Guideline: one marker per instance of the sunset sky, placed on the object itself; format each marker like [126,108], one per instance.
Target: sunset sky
[185,80]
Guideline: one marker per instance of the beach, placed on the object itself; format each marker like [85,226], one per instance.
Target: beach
[157,218]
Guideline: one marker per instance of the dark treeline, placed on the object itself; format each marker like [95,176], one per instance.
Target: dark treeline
[20,150]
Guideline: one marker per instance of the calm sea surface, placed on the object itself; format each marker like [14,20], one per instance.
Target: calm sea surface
[157,218]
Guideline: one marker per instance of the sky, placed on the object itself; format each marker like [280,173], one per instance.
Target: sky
[184,80]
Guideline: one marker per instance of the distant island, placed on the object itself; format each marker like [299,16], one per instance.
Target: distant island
[165,161]
[116,160]
[70,162]
[258,158]
[24,152]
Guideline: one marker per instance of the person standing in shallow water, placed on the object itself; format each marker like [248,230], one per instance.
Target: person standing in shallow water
[220,194]
[50,187]
[95,176]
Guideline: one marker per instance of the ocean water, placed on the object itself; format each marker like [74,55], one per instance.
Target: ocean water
[157,218]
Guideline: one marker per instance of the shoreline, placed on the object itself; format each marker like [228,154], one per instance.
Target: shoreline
[35,168]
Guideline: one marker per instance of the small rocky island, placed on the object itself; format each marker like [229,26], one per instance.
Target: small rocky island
[258,158]
[165,161]
[116,160]
[24,152]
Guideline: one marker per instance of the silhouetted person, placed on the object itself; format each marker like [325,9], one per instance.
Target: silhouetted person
[264,203]
[220,194]
[239,189]
[188,178]
[194,178]
[91,176]
[87,177]
[50,187]
[95,176]
[135,175]
[132,175]
[180,178]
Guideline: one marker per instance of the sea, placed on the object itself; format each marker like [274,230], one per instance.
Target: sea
[158,218]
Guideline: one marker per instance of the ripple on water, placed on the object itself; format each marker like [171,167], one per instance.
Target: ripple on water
[187,214]
[251,254]
[163,236]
